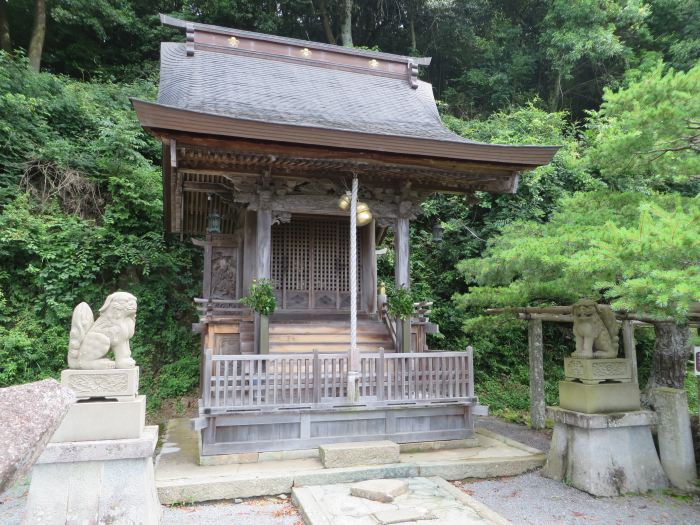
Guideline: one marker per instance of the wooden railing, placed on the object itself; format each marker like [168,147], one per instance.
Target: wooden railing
[296,380]
[209,308]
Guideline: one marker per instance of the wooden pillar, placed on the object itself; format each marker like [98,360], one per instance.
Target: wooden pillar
[401,272]
[250,250]
[535,349]
[630,347]
[369,269]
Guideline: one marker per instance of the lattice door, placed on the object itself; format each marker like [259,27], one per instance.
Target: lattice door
[310,264]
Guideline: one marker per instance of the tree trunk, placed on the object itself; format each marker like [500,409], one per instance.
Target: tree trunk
[556,93]
[36,43]
[671,353]
[412,26]
[326,21]
[346,26]
[5,41]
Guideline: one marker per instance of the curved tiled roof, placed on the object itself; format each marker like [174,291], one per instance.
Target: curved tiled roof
[276,91]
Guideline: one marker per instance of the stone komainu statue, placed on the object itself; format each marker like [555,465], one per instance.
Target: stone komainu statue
[91,340]
[596,330]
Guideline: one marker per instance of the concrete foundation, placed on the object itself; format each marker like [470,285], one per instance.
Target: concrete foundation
[675,440]
[598,398]
[107,481]
[604,454]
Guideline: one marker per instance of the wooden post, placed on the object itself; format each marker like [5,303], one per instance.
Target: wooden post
[249,250]
[317,377]
[369,269]
[207,378]
[401,275]
[380,375]
[470,357]
[630,347]
[537,404]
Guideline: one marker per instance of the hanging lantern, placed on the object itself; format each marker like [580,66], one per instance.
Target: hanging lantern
[438,232]
[364,215]
[214,222]
[344,202]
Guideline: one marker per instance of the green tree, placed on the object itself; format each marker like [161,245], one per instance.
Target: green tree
[647,134]
[639,253]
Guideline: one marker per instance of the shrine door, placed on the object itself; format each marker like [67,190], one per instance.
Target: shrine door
[310,264]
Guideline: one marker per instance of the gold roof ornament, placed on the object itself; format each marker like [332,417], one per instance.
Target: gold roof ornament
[374,63]
[306,52]
[233,41]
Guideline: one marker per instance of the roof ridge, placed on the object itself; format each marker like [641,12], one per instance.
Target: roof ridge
[351,51]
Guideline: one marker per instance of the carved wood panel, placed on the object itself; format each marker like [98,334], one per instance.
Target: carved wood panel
[224,273]
[310,263]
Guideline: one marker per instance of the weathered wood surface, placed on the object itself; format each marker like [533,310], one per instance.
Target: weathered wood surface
[286,380]
[302,428]
[536,361]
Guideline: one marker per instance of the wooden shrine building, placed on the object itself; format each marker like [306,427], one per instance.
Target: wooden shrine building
[261,136]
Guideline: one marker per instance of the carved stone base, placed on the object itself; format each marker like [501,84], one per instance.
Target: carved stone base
[598,399]
[110,481]
[604,455]
[95,420]
[594,371]
[120,383]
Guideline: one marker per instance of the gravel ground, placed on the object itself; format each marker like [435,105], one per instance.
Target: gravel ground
[254,511]
[532,499]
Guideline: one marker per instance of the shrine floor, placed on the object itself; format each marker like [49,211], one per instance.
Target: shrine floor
[180,479]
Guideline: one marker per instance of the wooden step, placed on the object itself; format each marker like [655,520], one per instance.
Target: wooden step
[326,329]
[323,348]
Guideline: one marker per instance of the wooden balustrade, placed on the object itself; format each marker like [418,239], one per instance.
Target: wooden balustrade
[314,379]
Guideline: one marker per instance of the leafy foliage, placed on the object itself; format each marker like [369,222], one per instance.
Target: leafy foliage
[399,302]
[638,252]
[261,297]
[54,253]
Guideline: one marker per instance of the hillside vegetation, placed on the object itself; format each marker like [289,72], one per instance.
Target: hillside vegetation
[615,216]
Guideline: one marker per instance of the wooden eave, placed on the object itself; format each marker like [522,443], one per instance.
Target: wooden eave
[157,118]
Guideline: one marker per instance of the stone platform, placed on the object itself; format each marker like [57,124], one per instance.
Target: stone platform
[604,454]
[427,501]
[181,479]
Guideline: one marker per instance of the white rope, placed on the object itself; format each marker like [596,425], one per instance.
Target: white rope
[354,355]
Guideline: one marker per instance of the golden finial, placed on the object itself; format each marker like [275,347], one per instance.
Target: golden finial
[233,41]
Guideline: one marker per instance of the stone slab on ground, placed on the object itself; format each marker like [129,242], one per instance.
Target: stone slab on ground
[432,500]
[338,455]
[382,490]
[95,420]
[116,383]
[180,478]
[675,440]
[29,415]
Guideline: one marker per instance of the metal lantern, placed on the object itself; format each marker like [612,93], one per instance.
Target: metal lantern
[344,202]
[364,215]
[214,222]
[438,232]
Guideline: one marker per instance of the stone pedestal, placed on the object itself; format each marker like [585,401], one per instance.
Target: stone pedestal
[98,467]
[675,440]
[604,454]
[106,481]
[594,371]
[598,398]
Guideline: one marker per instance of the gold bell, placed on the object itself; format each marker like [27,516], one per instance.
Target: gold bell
[344,202]
[364,216]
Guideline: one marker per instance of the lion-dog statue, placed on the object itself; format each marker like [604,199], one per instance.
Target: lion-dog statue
[90,341]
[596,330]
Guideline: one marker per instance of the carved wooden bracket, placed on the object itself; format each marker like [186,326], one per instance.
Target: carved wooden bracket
[189,36]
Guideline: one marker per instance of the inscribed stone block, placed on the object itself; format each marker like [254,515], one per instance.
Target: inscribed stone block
[117,383]
[600,398]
